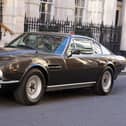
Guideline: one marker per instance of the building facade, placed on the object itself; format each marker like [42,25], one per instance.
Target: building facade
[108,12]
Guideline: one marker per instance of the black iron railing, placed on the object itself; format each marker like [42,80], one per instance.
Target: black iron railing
[108,36]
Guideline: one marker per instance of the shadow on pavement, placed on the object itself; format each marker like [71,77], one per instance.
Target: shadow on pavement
[7,99]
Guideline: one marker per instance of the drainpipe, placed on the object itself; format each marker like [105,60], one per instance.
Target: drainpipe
[123,38]
[1,16]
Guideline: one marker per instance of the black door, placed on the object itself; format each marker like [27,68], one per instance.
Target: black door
[82,66]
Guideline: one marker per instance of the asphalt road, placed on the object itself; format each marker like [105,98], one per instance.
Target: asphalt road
[69,108]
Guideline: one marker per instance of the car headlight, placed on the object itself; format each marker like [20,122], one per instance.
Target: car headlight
[1,74]
[14,67]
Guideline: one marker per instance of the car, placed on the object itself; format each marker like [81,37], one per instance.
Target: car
[37,62]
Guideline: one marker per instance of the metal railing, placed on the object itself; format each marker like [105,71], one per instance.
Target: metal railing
[108,36]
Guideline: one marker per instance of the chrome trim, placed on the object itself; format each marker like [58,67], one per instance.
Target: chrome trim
[55,67]
[9,82]
[67,44]
[70,86]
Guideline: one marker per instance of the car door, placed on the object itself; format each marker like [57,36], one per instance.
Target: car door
[81,66]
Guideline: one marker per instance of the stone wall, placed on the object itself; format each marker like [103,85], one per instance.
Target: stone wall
[64,9]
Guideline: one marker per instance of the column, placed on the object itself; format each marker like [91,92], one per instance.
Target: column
[64,9]
[32,8]
[13,14]
[123,39]
[109,12]
[85,12]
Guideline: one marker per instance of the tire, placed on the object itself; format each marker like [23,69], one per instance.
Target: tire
[105,83]
[31,89]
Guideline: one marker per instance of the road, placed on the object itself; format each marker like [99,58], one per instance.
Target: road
[69,108]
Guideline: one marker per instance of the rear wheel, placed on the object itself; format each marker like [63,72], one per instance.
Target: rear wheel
[31,88]
[105,82]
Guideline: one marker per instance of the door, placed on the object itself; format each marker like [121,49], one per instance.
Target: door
[81,66]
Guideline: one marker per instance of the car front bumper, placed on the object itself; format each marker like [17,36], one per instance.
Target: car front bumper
[6,84]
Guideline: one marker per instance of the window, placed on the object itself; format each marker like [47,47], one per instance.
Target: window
[79,8]
[105,50]
[83,45]
[42,42]
[97,48]
[25,41]
[45,10]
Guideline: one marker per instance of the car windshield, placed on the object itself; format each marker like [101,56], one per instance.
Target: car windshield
[43,42]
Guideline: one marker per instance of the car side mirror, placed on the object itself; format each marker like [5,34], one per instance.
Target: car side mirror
[76,51]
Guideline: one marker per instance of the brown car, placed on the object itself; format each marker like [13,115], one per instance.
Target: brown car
[34,63]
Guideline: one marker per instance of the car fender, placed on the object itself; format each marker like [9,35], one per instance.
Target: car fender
[42,68]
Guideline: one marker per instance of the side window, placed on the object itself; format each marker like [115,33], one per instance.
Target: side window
[28,40]
[84,45]
[105,50]
[97,48]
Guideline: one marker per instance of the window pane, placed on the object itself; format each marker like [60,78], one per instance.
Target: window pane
[97,48]
[45,9]
[79,8]
[105,50]
[83,45]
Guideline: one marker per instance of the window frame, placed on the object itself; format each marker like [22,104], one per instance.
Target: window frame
[46,14]
[95,42]
[67,50]
[78,8]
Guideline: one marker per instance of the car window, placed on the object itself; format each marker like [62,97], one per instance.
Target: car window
[28,41]
[105,50]
[43,42]
[82,44]
[52,44]
[97,48]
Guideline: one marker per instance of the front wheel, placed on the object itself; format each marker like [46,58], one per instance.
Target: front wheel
[31,88]
[105,82]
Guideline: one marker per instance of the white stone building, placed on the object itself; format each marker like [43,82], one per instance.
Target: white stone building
[86,11]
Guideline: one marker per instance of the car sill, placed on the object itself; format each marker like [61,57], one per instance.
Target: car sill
[70,86]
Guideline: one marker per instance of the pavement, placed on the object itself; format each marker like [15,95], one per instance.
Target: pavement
[80,107]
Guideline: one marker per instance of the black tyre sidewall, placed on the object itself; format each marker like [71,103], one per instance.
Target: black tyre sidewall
[99,88]
[21,91]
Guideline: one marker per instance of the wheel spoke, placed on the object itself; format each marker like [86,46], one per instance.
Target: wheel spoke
[33,86]
[106,81]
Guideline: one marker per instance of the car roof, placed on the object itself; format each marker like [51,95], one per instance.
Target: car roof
[50,33]
[59,34]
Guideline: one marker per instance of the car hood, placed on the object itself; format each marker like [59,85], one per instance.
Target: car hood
[12,52]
